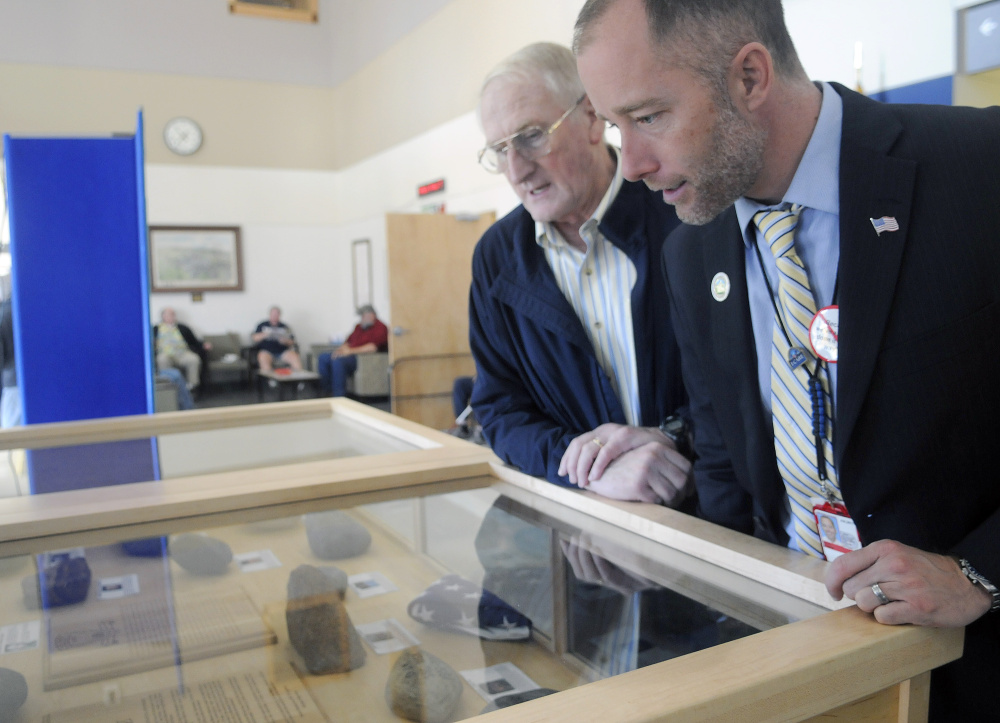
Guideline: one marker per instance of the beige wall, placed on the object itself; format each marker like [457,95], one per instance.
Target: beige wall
[429,77]
[250,124]
[433,74]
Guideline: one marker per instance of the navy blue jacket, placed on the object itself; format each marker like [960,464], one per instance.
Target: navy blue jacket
[915,430]
[538,381]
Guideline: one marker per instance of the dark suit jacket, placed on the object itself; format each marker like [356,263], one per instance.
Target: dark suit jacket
[538,381]
[918,391]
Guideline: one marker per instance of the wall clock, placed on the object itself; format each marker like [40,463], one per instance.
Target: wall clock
[182,135]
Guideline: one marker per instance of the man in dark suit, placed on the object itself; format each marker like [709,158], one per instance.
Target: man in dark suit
[889,214]
[576,360]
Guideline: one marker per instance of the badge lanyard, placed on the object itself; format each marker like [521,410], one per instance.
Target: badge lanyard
[825,322]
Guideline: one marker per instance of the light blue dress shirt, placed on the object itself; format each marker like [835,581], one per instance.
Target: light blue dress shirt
[816,185]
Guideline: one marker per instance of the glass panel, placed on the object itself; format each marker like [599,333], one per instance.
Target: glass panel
[328,616]
[184,454]
[268,445]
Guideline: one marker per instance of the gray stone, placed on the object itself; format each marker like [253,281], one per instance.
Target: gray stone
[422,687]
[318,625]
[337,577]
[66,582]
[13,693]
[334,535]
[506,701]
[201,554]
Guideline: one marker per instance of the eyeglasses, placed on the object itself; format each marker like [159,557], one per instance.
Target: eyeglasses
[532,143]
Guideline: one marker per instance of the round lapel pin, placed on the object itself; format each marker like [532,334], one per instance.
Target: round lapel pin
[720,286]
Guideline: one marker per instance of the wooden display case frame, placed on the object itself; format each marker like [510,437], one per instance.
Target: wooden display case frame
[840,665]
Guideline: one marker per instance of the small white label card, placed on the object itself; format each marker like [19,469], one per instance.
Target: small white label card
[498,680]
[20,636]
[386,636]
[111,588]
[370,584]
[257,560]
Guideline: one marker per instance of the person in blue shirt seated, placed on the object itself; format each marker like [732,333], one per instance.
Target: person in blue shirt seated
[275,340]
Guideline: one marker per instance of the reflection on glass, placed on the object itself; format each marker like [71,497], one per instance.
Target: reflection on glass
[334,614]
[204,452]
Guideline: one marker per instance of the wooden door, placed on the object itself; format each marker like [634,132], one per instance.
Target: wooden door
[430,270]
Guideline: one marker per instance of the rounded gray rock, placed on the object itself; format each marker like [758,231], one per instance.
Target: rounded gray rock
[13,693]
[334,535]
[422,687]
[319,627]
[201,554]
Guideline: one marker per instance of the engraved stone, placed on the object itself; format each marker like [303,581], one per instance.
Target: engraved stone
[318,625]
[201,554]
[334,535]
[422,687]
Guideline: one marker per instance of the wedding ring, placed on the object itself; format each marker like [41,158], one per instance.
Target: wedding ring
[883,600]
[596,441]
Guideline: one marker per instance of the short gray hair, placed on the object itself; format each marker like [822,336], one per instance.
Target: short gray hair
[708,33]
[550,64]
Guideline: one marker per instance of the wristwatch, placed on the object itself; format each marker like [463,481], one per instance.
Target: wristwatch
[976,579]
[677,430]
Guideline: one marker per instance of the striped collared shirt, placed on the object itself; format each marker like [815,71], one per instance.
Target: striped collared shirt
[598,285]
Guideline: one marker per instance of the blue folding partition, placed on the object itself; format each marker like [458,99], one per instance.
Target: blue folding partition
[80,293]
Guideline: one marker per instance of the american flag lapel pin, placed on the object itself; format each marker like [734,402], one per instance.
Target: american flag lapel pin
[886,223]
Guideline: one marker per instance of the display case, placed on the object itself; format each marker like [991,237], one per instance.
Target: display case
[323,561]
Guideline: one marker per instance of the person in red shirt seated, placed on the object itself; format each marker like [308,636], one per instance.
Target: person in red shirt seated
[371,335]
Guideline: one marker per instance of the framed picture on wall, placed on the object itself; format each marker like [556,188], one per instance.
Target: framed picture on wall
[195,258]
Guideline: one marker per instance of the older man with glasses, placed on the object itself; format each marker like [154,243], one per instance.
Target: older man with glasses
[579,375]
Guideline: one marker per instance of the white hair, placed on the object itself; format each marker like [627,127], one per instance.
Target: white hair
[550,64]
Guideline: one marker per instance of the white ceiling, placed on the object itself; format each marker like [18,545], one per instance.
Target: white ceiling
[201,37]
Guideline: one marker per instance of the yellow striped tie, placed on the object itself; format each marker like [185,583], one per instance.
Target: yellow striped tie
[794,443]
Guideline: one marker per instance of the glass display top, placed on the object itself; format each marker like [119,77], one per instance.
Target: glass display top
[419,608]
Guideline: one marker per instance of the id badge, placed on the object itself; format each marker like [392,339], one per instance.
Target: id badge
[837,530]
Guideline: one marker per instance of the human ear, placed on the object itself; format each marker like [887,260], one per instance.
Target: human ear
[751,76]
[595,126]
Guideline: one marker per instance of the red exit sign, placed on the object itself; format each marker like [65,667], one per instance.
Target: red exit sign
[429,188]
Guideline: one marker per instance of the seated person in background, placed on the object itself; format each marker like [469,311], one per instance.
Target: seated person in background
[171,375]
[274,339]
[569,325]
[177,346]
[369,336]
